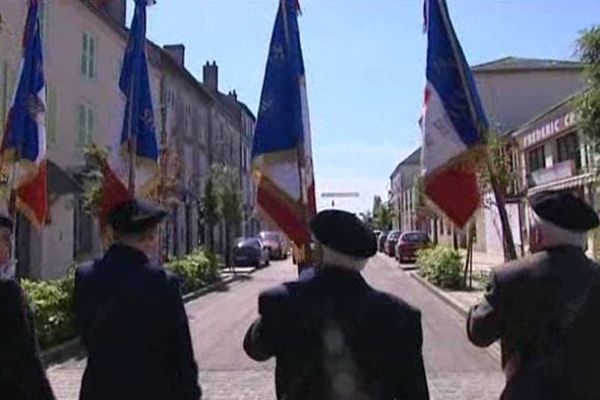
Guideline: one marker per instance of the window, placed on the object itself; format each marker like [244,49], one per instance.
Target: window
[448,228]
[86,121]
[7,85]
[51,114]
[441,229]
[88,55]
[568,149]
[536,158]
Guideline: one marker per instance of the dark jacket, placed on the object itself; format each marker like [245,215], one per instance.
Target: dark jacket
[526,305]
[335,337]
[22,375]
[135,330]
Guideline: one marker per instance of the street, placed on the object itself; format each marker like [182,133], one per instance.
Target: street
[218,321]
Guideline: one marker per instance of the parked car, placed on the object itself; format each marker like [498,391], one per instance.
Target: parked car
[381,241]
[390,243]
[250,252]
[408,245]
[276,243]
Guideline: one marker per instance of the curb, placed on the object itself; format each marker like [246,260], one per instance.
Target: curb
[72,348]
[494,349]
[441,295]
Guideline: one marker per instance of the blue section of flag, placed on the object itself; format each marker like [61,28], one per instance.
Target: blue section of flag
[445,64]
[135,86]
[22,134]
[279,124]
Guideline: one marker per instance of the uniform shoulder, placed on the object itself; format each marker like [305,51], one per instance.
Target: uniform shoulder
[277,296]
[394,304]
[10,286]
[521,269]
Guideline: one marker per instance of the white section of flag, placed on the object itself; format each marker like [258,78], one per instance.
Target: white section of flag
[441,142]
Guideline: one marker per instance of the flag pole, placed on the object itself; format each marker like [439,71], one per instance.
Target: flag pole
[131,143]
[305,251]
[507,241]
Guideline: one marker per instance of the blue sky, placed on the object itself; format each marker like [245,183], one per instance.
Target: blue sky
[365,65]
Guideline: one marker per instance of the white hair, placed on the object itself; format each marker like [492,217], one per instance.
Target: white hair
[334,258]
[553,235]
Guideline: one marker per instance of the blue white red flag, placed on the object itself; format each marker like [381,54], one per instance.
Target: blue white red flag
[453,120]
[281,152]
[138,122]
[23,149]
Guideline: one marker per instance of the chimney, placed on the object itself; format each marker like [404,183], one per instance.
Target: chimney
[211,76]
[177,53]
[116,9]
[233,95]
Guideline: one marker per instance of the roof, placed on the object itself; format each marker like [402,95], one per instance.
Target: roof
[413,159]
[507,64]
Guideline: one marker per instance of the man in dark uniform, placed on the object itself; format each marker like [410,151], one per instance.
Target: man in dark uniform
[131,317]
[545,308]
[22,375]
[333,335]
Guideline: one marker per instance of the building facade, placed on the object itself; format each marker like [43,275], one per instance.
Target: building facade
[82,62]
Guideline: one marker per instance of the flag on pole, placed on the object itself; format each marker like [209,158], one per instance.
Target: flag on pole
[138,122]
[453,121]
[23,149]
[281,151]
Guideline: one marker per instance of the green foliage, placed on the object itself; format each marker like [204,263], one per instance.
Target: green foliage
[196,269]
[382,214]
[500,162]
[210,204]
[588,47]
[52,306]
[441,266]
[94,157]
[228,193]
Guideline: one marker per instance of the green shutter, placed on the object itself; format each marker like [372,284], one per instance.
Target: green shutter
[90,125]
[92,57]
[82,124]
[84,55]
[51,115]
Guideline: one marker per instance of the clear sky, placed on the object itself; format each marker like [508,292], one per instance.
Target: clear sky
[365,66]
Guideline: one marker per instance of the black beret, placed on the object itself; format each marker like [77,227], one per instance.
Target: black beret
[564,210]
[6,221]
[134,216]
[344,232]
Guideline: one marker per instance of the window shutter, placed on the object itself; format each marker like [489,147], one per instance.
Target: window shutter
[82,124]
[90,127]
[92,57]
[51,114]
[84,55]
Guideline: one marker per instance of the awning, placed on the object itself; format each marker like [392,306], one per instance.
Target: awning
[61,182]
[566,183]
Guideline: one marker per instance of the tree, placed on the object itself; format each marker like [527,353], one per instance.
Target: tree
[382,215]
[210,211]
[588,49]
[496,177]
[229,197]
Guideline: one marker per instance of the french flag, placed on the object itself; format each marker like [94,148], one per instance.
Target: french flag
[281,150]
[23,149]
[453,121]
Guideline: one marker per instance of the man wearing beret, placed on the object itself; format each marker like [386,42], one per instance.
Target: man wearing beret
[22,375]
[545,308]
[334,336]
[131,317]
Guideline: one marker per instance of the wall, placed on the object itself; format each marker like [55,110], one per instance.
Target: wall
[58,240]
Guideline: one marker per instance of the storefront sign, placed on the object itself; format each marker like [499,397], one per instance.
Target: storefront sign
[558,171]
[549,129]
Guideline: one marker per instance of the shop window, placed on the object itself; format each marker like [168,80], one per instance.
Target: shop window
[568,149]
[536,158]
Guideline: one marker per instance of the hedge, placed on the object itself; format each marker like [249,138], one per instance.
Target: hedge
[442,266]
[52,301]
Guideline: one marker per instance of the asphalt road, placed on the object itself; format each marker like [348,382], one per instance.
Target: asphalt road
[218,321]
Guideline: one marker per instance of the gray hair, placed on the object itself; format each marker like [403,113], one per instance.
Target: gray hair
[334,258]
[553,235]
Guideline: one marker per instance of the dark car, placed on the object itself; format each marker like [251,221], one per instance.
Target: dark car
[381,241]
[250,253]
[408,245]
[390,243]
[276,244]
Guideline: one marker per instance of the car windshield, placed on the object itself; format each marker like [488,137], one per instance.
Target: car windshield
[415,237]
[394,235]
[250,243]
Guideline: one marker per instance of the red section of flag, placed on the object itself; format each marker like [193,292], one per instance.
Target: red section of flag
[33,196]
[114,192]
[285,215]
[456,192]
